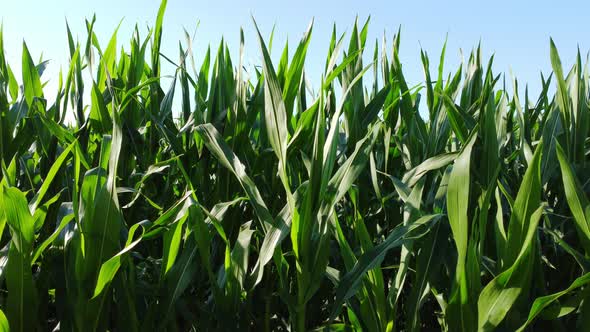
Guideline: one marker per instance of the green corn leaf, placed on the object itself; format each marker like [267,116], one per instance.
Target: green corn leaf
[460,309]
[413,175]
[562,90]
[49,178]
[275,112]
[349,171]
[527,201]
[498,297]
[350,281]
[576,199]
[294,77]
[4,326]
[545,301]
[21,306]
[111,266]
[228,159]
[31,80]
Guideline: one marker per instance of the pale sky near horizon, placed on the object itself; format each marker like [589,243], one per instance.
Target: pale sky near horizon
[517,32]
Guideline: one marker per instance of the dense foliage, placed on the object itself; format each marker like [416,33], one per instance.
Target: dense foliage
[241,199]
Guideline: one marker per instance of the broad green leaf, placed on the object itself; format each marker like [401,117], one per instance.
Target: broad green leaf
[350,281]
[111,266]
[576,199]
[460,309]
[31,79]
[229,160]
[21,306]
[49,178]
[4,326]
[412,176]
[545,301]
[498,297]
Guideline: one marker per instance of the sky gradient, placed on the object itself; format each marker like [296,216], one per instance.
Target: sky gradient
[515,31]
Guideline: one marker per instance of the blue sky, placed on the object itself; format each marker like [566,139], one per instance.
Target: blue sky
[517,32]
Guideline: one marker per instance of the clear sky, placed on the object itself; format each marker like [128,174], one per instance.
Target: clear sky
[517,32]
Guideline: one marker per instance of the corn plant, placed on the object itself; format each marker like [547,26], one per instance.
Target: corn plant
[240,198]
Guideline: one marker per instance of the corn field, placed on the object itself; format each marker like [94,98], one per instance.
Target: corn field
[240,198]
